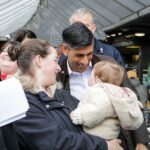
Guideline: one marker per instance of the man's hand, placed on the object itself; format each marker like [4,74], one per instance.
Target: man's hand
[114,145]
[141,147]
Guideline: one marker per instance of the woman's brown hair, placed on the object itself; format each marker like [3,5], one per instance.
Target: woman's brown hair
[28,51]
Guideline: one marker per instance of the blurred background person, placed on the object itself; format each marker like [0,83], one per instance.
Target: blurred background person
[22,35]
[7,65]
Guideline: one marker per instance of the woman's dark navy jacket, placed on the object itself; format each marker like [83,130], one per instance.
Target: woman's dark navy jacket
[47,125]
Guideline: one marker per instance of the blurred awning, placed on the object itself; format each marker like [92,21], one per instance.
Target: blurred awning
[15,14]
[47,18]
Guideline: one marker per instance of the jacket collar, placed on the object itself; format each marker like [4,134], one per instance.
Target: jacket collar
[64,69]
[98,47]
[48,102]
[43,96]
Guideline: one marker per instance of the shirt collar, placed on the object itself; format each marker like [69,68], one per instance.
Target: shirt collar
[73,72]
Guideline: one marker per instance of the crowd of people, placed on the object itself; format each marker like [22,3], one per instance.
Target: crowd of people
[96,108]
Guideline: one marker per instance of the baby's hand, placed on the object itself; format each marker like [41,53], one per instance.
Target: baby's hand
[71,115]
[76,117]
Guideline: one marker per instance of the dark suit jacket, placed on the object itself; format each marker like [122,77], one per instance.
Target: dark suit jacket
[140,135]
[108,50]
[8,139]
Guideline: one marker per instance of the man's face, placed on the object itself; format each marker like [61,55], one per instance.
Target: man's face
[79,58]
[50,68]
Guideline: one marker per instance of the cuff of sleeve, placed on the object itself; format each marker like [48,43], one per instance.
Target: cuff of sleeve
[76,116]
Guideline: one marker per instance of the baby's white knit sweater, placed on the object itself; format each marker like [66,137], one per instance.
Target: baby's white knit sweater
[105,107]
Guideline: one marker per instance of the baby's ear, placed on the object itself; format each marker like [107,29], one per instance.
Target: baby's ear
[98,80]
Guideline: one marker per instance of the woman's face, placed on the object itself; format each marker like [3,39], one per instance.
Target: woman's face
[50,68]
[7,66]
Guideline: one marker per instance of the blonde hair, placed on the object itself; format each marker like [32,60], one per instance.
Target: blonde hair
[29,84]
[109,72]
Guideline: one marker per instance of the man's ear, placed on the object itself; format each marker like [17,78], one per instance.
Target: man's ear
[93,27]
[97,80]
[65,49]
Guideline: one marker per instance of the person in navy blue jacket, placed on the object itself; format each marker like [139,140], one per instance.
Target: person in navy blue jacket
[108,50]
[87,17]
[47,125]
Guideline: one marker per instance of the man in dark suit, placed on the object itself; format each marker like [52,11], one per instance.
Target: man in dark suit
[76,69]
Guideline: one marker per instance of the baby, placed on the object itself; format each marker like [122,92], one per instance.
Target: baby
[106,106]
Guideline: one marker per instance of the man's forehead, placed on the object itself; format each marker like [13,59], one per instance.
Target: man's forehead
[83,52]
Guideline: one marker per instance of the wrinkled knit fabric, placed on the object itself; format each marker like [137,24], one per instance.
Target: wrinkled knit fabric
[105,107]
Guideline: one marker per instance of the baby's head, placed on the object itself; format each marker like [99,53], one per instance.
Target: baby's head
[105,71]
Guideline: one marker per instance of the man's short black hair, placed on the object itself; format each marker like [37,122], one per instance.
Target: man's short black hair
[77,36]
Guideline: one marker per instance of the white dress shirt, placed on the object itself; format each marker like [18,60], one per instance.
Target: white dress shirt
[79,81]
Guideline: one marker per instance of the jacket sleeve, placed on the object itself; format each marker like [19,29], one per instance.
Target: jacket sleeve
[37,132]
[93,109]
[139,135]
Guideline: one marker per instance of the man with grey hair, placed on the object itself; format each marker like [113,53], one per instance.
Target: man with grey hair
[88,17]
[85,16]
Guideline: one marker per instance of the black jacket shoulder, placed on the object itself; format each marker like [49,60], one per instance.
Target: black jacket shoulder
[47,125]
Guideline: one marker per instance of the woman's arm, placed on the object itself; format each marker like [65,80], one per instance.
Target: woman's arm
[38,132]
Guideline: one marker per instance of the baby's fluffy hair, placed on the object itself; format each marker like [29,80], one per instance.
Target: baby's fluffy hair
[109,72]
